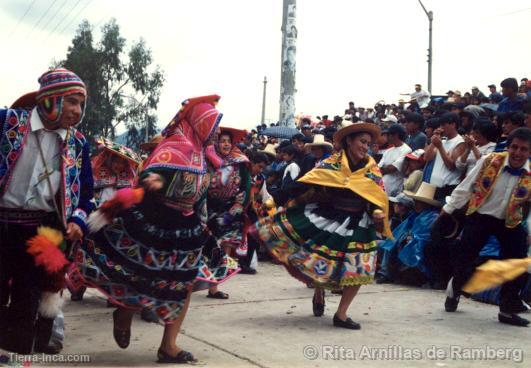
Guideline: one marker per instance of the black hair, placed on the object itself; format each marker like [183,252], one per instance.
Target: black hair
[450,117]
[397,129]
[290,150]
[522,133]
[258,157]
[298,136]
[486,128]
[415,118]
[527,108]
[517,118]
[510,83]
[227,133]
[433,123]
[352,136]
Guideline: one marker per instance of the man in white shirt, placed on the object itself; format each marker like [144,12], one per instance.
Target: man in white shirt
[45,180]
[421,97]
[441,154]
[393,159]
[497,191]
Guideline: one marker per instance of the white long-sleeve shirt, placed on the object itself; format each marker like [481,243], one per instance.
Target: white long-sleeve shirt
[29,187]
[498,200]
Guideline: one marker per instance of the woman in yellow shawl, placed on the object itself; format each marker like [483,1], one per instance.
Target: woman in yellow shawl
[328,238]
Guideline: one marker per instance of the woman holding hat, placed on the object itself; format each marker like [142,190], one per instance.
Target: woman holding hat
[328,243]
[228,198]
[146,244]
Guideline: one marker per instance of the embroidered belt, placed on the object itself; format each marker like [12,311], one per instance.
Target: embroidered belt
[19,216]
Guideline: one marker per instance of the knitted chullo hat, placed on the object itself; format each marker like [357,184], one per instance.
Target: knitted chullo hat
[54,86]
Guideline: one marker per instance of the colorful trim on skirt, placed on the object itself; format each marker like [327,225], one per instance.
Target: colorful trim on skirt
[147,258]
[328,248]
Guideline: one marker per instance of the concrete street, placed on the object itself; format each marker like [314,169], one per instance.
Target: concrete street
[268,322]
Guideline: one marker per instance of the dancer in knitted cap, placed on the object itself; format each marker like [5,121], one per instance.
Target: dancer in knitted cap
[147,244]
[45,179]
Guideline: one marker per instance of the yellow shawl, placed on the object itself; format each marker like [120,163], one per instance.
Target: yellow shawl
[366,182]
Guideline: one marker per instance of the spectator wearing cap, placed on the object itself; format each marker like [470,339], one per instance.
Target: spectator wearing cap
[480,142]
[415,139]
[511,101]
[457,96]
[389,120]
[412,169]
[393,159]
[495,96]
[445,148]
[477,93]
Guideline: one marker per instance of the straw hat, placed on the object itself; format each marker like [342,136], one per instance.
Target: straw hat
[153,142]
[348,128]
[319,141]
[425,193]
[269,150]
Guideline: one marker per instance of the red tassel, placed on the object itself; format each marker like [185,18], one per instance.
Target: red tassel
[123,199]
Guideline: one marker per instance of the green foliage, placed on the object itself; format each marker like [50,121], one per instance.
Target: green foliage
[123,87]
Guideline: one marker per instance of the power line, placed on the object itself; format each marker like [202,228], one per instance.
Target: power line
[53,16]
[61,20]
[75,16]
[42,17]
[21,19]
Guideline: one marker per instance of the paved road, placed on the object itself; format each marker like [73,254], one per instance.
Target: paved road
[268,322]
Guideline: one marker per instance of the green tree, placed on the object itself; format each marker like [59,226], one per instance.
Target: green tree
[123,88]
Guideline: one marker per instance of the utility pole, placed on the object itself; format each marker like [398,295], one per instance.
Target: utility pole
[262,121]
[429,14]
[289,53]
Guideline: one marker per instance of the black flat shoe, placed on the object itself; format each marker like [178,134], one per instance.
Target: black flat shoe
[318,308]
[348,323]
[512,319]
[218,295]
[450,304]
[122,337]
[247,270]
[182,357]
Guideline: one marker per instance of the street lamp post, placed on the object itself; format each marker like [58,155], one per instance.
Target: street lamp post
[262,121]
[429,14]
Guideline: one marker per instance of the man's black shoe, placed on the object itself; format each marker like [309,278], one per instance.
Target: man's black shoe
[512,319]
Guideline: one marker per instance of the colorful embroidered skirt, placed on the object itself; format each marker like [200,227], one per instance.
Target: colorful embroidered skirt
[149,257]
[325,247]
[228,233]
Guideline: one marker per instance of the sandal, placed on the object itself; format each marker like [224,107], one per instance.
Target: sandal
[122,337]
[181,357]
[218,295]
